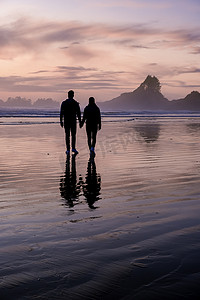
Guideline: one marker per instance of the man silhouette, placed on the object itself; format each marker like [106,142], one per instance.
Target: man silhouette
[69,111]
[92,116]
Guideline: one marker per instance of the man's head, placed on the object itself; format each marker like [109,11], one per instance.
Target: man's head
[71,94]
[91,100]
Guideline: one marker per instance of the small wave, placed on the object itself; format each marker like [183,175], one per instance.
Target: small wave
[118,121]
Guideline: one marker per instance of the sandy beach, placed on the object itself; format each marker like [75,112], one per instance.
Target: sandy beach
[125,226]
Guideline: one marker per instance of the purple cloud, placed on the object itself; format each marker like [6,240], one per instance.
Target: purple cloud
[27,35]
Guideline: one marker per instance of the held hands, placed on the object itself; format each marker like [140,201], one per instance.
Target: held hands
[81,124]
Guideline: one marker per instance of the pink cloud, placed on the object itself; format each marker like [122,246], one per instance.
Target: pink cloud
[77,38]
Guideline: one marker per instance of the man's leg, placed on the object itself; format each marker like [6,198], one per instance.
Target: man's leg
[67,137]
[73,133]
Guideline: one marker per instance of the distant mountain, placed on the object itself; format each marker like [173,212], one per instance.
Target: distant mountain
[46,103]
[18,103]
[148,97]
[191,102]
[1,103]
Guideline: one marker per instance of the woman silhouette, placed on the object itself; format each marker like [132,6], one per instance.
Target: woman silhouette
[92,117]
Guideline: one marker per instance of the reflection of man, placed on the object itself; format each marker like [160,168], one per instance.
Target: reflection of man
[92,116]
[70,110]
[92,185]
[69,188]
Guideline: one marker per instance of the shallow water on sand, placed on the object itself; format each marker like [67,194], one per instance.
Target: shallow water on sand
[124,226]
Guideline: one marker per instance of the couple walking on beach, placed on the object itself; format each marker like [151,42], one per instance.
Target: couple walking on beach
[70,111]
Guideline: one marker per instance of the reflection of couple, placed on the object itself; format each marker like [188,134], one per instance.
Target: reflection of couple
[70,110]
[70,188]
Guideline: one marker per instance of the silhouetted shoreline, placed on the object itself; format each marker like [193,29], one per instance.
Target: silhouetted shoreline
[147,97]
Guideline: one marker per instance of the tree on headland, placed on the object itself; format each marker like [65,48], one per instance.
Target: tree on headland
[151,82]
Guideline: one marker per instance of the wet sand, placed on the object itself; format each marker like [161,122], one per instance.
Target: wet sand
[125,226]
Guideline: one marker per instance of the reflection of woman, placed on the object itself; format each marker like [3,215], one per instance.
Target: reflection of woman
[69,188]
[92,185]
[92,116]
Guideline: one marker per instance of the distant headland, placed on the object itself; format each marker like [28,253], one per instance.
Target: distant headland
[148,97]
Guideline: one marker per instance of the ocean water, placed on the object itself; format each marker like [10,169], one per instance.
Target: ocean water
[122,226]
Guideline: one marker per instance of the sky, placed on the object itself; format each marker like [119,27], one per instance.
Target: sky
[98,48]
